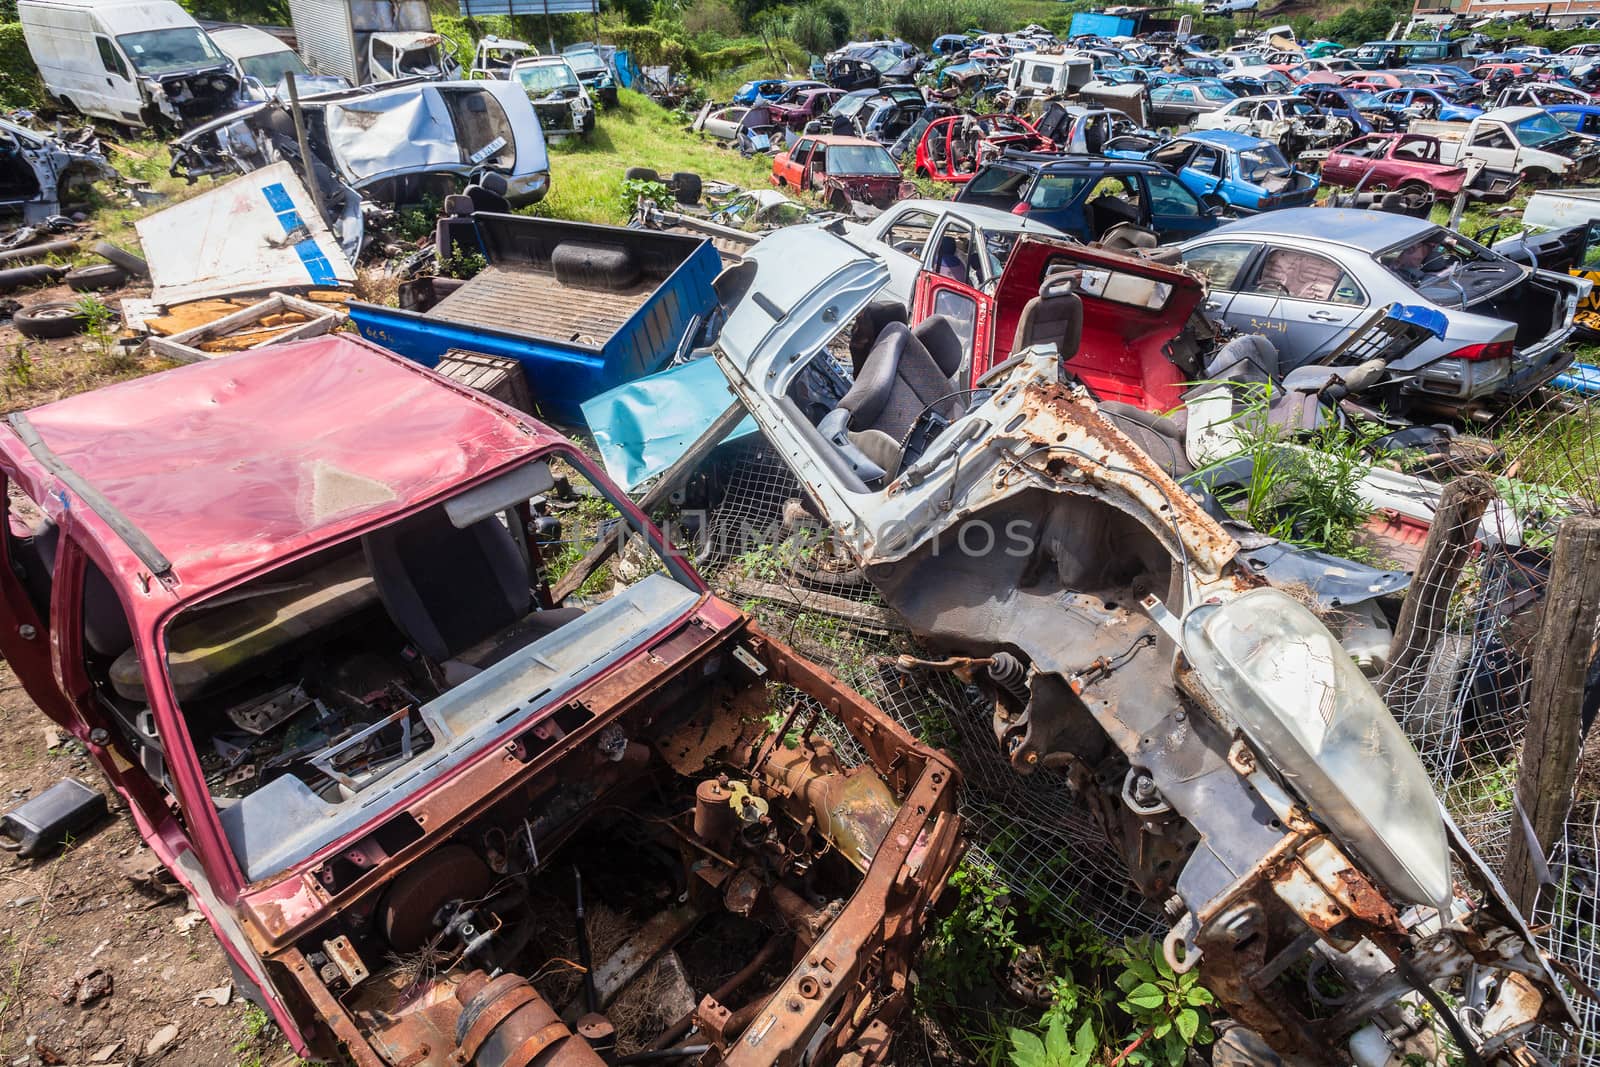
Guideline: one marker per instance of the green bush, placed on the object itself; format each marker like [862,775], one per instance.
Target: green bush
[19,78]
[920,21]
[820,28]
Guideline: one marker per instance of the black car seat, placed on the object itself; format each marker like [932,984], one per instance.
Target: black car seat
[1055,316]
[938,335]
[1107,210]
[899,380]
[448,588]
[868,325]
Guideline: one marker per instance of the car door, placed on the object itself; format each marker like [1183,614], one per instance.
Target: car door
[969,310]
[1224,263]
[793,169]
[114,92]
[903,245]
[1172,211]
[1204,171]
[1492,143]
[1304,301]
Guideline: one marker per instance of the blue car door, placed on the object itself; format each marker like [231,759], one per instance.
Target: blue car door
[1204,171]
[1176,214]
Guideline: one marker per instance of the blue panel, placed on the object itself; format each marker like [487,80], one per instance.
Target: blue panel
[318,268]
[643,426]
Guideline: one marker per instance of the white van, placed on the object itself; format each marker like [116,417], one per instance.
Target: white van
[136,62]
[263,60]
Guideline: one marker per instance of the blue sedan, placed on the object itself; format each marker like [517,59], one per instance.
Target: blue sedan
[1429,103]
[1250,173]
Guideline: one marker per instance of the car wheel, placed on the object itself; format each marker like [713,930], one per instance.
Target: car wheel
[50,320]
[839,202]
[95,278]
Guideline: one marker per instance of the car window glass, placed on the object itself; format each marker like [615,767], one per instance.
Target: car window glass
[1569,119]
[1168,196]
[801,151]
[962,311]
[1301,275]
[910,233]
[1054,191]
[109,58]
[1219,262]
[1491,137]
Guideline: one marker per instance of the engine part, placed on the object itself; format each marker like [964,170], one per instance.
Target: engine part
[506,1023]
[714,819]
[853,809]
[410,910]
[1009,674]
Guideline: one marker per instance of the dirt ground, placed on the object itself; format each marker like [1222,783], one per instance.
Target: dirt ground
[70,922]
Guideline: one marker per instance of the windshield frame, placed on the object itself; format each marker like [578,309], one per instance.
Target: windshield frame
[575,83]
[135,44]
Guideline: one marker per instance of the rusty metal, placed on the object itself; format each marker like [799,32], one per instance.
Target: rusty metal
[406,915]
[799,915]
[345,957]
[853,808]
[714,820]
[735,982]
[504,1022]
[659,933]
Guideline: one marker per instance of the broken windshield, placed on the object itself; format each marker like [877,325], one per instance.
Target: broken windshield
[860,159]
[542,79]
[270,67]
[165,51]
[1265,161]
[1540,129]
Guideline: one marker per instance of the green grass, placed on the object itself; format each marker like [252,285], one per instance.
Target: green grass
[586,174]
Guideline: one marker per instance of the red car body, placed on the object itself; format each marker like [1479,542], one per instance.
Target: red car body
[177,488]
[943,155]
[1381,161]
[1124,352]
[840,170]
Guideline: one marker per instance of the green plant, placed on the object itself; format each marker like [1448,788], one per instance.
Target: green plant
[19,369]
[1170,1011]
[635,189]
[100,327]
[416,222]
[978,937]
[460,263]
[1054,1049]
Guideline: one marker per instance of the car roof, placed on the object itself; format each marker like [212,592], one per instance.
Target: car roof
[1369,231]
[1225,139]
[988,217]
[1070,163]
[238,462]
[246,42]
[836,139]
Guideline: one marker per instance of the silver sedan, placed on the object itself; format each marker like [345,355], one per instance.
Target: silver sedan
[1305,277]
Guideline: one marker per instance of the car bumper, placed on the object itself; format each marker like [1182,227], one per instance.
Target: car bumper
[1461,380]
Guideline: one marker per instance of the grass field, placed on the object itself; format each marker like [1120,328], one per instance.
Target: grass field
[586,176]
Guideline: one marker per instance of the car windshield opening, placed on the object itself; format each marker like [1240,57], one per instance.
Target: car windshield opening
[314,692]
[860,159]
[270,68]
[1536,130]
[165,51]
[1448,269]
[546,78]
[1264,161]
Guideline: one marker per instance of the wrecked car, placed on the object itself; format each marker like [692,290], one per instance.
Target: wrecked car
[1293,123]
[1249,173]
[1305,276]
[1404,162]
[391,144]
[43,175]
[1230,749]
[559,98]
[842,171]
[400,769]
[952,149]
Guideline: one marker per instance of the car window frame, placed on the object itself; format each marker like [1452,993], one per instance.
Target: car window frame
[1245,266]
[1265,248]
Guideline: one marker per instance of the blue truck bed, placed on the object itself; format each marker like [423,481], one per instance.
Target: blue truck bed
[573,341]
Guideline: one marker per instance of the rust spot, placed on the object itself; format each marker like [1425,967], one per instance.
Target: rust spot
[1362,898]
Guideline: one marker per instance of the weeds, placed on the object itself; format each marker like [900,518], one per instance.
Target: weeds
[462,264]
[635,189]
[19,369]
[100,326]
[1170,1011]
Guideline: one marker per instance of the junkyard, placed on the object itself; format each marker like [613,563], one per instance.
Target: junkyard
[957,532]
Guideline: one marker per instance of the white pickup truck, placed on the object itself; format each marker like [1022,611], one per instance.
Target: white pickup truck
[1522,141]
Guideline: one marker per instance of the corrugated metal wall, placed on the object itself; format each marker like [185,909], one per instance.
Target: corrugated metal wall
[326,40]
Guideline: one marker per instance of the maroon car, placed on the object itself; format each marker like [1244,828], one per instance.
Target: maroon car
[797,110]
[841,170]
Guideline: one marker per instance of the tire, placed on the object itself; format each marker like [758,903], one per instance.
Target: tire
[686,187]
[590,265]
[95,278]
[129,262]
[640,174]
[50,320]
[1536,177]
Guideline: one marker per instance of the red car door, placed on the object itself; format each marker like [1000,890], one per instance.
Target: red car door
[970,311]
[790,169]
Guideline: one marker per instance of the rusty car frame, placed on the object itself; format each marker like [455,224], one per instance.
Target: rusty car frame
[263,615]
[1250,777]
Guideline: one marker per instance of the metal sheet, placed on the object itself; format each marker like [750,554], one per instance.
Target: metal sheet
[325,38]
[479,8]
[257,233]
[641,427]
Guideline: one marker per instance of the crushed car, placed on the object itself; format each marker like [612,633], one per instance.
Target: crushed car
[400,770]
[43,174]
[1293,123]
[843,171]
[559,98]
[393,145]
[1230,749]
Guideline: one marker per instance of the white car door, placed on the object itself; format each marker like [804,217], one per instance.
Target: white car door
[902,239]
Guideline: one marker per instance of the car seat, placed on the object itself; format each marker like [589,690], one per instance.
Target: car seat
[1055,316]
[899,381]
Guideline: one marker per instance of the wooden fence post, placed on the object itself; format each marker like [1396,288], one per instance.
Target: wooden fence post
[1444,553]
[1552,744]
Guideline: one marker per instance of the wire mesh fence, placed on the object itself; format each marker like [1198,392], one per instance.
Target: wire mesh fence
[1464,703]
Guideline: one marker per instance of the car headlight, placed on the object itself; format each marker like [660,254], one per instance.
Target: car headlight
[1303,702]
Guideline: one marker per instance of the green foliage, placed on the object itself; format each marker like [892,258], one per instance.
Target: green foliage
[635,189]
[1359,23]
[1305,492]
[461,263]
[920,21]
[1170,1011]
[19,78]
[100,326]
[417,221]
[977,939]
[19,369]
[1054,1050]
[820,27]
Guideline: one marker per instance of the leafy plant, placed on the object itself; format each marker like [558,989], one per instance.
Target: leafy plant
[634,189]
[978,937]
[1170,1011]
[19,368]
[100,327]
[461,263]
[1054,1050]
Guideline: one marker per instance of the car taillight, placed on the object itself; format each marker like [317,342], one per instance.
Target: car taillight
[1021,208]
[1493,350]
